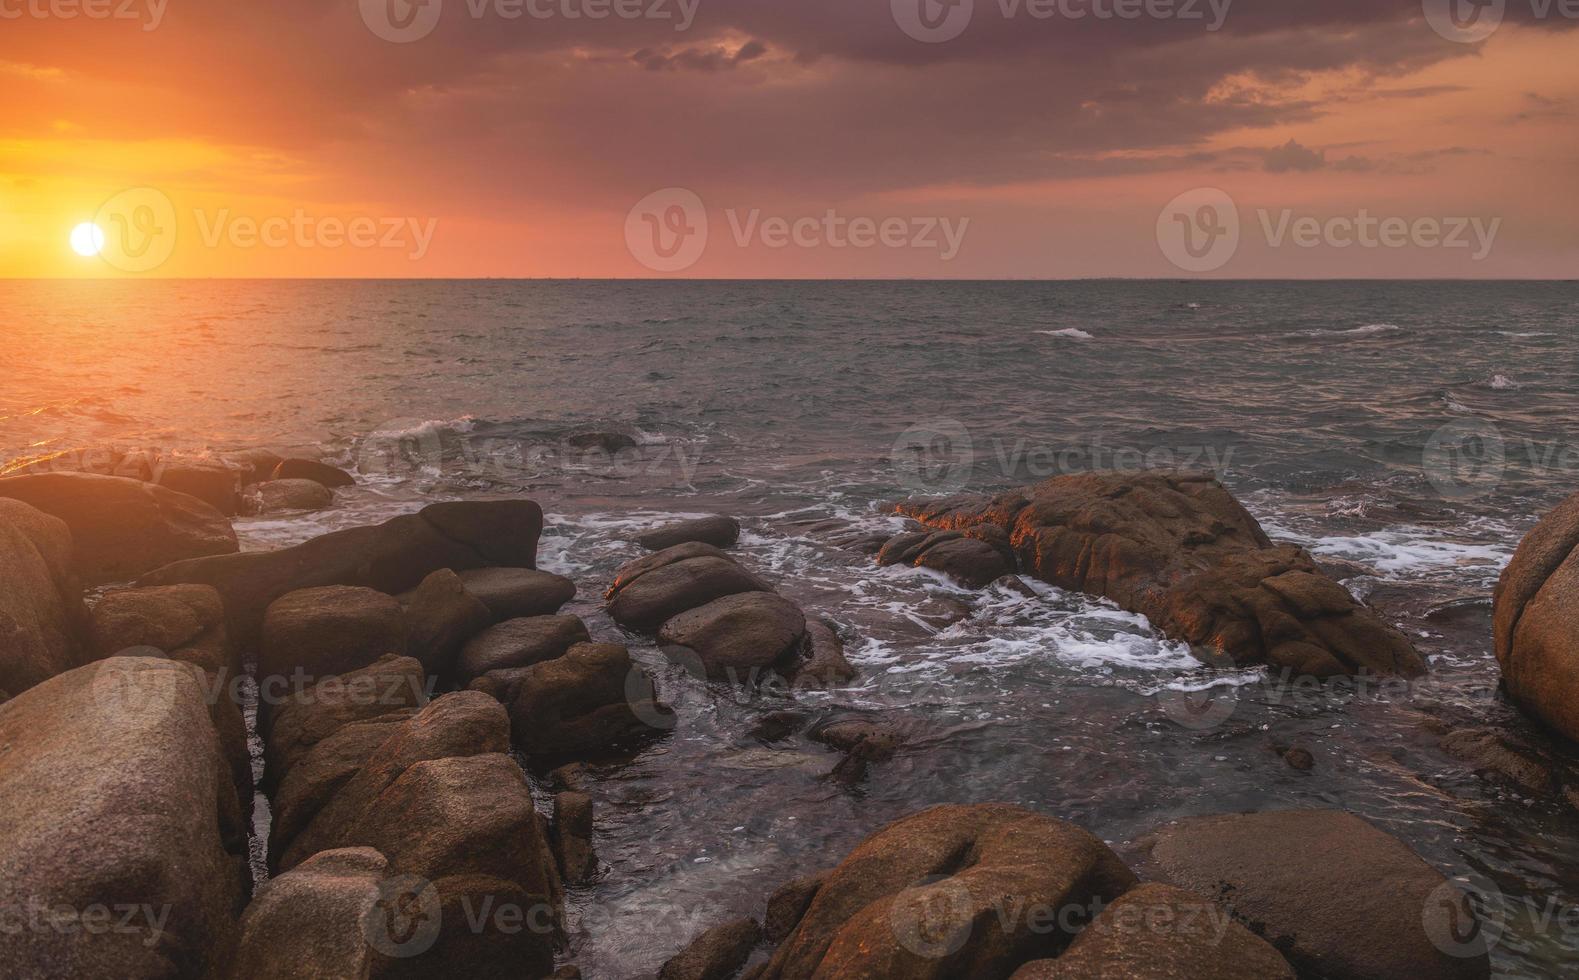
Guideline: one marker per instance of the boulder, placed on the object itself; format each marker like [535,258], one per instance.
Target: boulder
[330,630]
[717,954]
[589,699]
[118,796]
[461,724]
[392,557]
[974,558]
[322,771]
[788,904]
[310,469]
[187,622]
[632,570]
[515,593]
[572,837]
[1157,932]
[954,891]
[823,663]
[254,465]
[276,496]
[122,528]
[1181,551]
[42,619]
[739,637]
[310,923]
[1534,621]
[520,643]
[644,601]
[721,532]
[293,720]
[1338,897]
[441,616]
[214,484]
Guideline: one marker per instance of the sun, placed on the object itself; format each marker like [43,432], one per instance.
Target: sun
[87,239]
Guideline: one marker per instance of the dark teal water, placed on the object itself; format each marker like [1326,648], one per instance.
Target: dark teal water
[1415,429]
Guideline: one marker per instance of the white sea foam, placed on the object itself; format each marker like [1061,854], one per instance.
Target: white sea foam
[1502,382]
[1404,551]
[1069,333]
[1368,330]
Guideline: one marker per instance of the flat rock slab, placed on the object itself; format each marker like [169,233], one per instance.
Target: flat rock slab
[122,528]
[1338,897]
[721,532]
[1181,551]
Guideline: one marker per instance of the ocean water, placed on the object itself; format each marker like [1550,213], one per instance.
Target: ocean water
[1409,433]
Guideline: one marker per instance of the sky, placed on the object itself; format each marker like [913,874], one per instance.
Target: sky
[790,138]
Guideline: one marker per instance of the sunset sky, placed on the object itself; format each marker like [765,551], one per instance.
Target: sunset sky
[289,138]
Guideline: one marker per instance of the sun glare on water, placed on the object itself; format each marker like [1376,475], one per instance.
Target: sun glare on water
[87,239]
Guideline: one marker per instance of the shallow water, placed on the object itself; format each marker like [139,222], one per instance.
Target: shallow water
[1415,430]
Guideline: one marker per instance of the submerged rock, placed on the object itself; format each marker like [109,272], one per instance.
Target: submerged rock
[1338,897]
[310,469]
[1536,621]
[277,496]
[572,836]
[122,528]
[721,532]
[43,622]
[1180,550]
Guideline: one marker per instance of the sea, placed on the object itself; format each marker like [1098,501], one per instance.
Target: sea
[1407,433]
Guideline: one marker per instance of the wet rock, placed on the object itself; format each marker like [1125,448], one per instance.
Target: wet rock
[117,790]
[1536,621]
[391,557]
[822,664]
[293,720]
[310,922]
[572,776]
[871,740]
[1157,932]
[974,558]
[717,954]
[279,496]
[788,904]
[721,532]
[646,601]
[122,528]
[1505,757]
[330,630]
[775,726]
[632,570]
[1298,758]
[877,914]
[43,623]
[739,637]
[572,837]
[516,593]
[518,643]
[187,622]
[441,617]
[254,465]
[310,469]
[1338,897]
[1016,585]
[323,771]
[214,484]
[456,725]
[589,699]
[1180,550]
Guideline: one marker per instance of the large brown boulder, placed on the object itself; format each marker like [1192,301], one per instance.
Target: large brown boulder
[651,590]
[322,771]
[118,795]
[214,484]
[721,532]
[294,719]
[1158,932]
[330,630]
[518,643]
[1181,551]
[1536,621]
[254,465]
[442,615]
[312,922]
[122,528]
[739,637]
[392,557]
[1338,897]
[42,618]
[717,954]
[275,496]
[954,891]
[589,699]
[187,622]
[975,558]
[515,593]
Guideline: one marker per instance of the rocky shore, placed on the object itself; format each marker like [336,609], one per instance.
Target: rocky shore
[423,709]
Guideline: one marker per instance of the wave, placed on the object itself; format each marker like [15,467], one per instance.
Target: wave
[1071,333]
